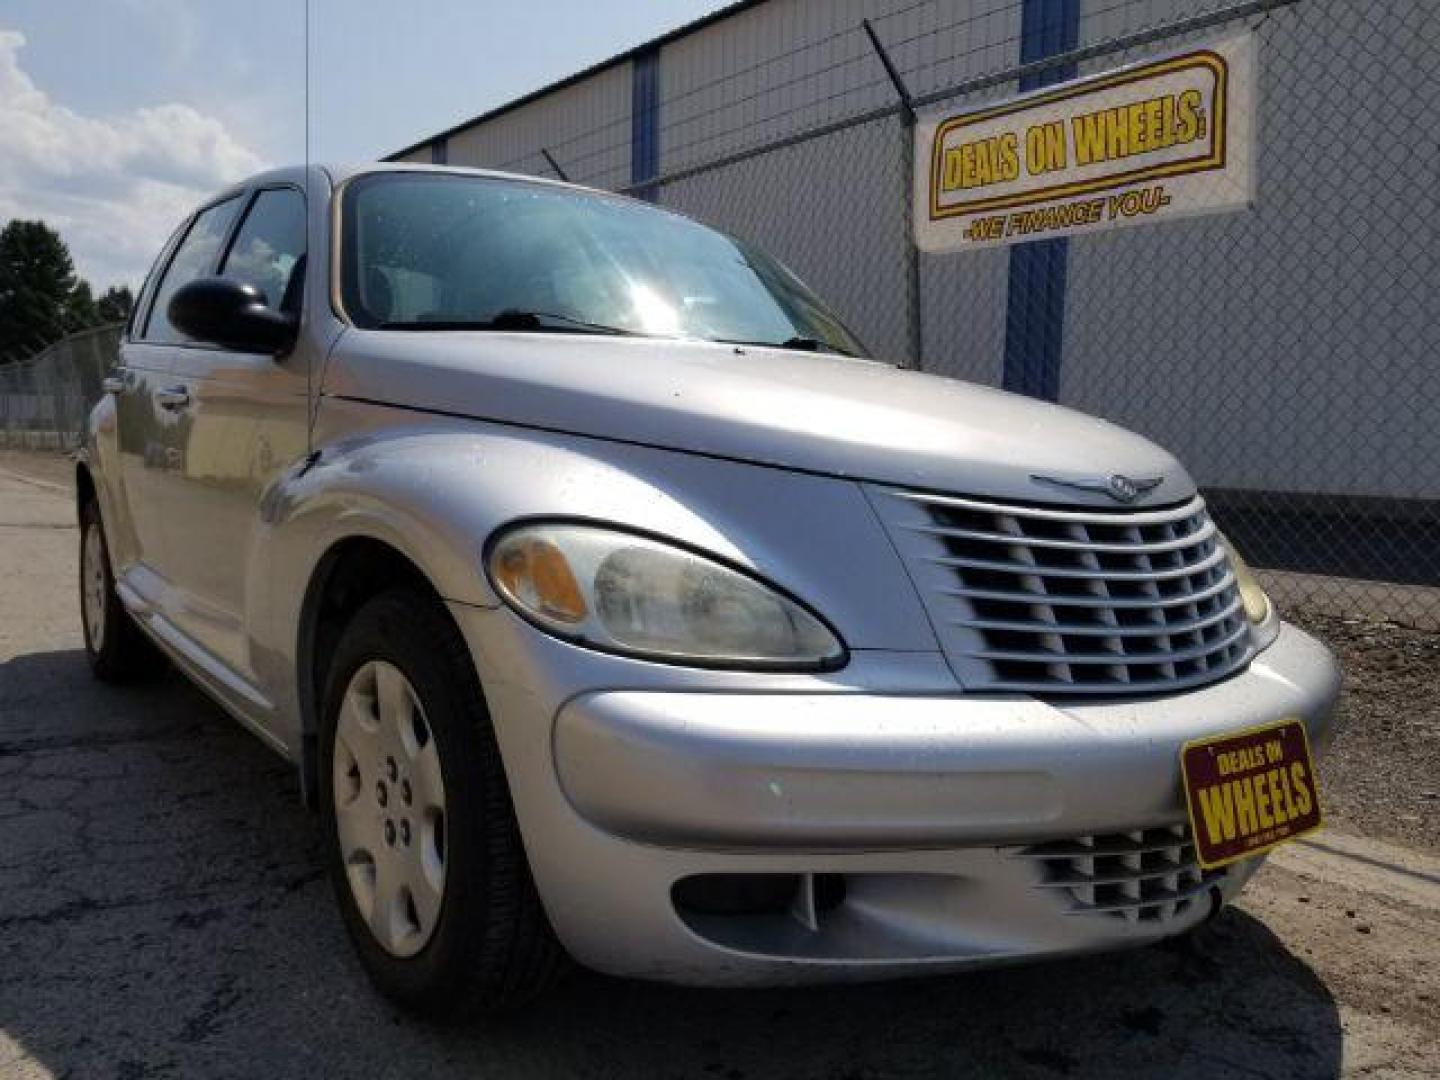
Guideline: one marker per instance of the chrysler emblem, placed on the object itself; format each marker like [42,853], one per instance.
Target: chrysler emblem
[1121,488]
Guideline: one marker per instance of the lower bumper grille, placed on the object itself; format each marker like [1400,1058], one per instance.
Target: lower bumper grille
[1149,875]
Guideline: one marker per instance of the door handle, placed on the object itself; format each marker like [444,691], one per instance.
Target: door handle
[173,397]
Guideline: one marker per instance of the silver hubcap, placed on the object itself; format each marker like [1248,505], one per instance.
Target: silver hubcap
[92,586]
[390,808]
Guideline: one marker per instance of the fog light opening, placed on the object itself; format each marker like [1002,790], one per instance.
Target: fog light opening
[736,894]
[803,897]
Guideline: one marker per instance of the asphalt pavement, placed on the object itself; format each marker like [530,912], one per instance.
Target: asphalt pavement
[163,913]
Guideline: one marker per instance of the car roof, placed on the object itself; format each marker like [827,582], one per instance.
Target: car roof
[337,173]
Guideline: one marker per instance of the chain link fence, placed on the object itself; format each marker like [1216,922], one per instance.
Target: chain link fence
[44,400]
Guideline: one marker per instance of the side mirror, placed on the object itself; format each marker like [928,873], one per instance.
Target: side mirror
[233,314]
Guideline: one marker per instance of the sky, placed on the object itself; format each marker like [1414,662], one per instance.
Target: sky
[118,116]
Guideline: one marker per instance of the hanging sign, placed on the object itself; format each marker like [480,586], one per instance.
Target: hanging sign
[1152,142]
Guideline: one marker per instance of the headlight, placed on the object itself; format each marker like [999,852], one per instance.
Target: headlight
[625,593]
[1256,603]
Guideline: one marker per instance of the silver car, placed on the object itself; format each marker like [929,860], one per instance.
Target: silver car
[614,605]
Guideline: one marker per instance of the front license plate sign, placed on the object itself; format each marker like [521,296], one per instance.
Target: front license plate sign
[1249,791]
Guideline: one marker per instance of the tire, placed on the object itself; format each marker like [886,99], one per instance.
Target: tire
[118,650]
[404,718]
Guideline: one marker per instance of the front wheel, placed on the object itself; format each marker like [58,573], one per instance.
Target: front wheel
[423,848]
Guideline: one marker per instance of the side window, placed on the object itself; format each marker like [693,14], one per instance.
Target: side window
[147,287]
[193,259]
[269,249]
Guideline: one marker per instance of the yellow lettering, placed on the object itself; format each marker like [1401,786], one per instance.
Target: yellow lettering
[1277,796]
[1187,116]
[1009,154]
[1117,138]
[1244,806]
[1162,114]
[954,166]
[1289,796]
[1089,134]
[1262,800]
[978,172]
[1219,813]
[1303,801]
[1137,128]
[1044,148]
[1139,133]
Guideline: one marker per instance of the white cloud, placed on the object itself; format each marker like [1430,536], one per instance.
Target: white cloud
[114,186]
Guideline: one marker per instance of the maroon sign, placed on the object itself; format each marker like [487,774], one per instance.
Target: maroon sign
[1249,791]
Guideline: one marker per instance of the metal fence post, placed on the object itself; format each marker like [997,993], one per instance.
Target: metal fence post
[916,311]
[555,165]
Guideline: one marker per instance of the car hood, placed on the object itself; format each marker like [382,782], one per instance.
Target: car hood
[793,410]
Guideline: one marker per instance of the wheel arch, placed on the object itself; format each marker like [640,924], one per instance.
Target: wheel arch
[85,489]
[352,570]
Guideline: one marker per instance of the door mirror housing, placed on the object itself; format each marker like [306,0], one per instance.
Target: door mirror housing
[233,314]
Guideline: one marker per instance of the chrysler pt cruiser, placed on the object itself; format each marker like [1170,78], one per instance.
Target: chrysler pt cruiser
[613,604]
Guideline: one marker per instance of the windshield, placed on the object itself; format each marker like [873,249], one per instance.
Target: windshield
[444,251]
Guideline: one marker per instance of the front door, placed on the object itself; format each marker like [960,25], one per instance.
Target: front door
[151,415]
[244,422]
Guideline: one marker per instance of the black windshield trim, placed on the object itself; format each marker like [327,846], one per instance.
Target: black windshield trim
[530,322]
[794,344]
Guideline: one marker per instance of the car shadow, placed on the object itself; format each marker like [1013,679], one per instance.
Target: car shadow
[163,912]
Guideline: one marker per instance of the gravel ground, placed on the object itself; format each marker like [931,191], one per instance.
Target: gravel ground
[1382,777]
[163,913]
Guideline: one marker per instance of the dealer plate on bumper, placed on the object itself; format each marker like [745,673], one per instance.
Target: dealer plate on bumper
[1248,791]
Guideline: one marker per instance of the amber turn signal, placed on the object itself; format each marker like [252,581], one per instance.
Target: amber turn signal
[535,573]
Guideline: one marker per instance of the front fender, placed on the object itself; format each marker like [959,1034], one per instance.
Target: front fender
[435,491]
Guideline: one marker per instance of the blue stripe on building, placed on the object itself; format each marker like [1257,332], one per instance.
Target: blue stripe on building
[645,121]
[1035,302]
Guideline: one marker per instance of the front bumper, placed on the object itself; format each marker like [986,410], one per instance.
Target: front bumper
[927,808]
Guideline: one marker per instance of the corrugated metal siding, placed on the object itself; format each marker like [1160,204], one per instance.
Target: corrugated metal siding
[586,126]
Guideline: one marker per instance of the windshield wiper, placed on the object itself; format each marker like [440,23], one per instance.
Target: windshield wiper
[798,344]
[514,319]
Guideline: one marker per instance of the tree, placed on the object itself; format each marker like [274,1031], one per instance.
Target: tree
[37,284]
[41,298]
[80,309]
[115,305]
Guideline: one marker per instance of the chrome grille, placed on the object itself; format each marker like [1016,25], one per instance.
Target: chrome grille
[1149,875]
[1072,601]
